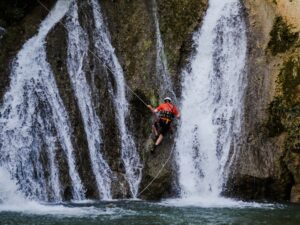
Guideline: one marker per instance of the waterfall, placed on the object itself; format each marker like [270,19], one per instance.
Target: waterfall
[77,53]
[33,120]
[2,32]
[9,193]
[162,72]
[212,102]
[106,53]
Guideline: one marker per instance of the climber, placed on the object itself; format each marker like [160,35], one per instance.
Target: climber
[167,111]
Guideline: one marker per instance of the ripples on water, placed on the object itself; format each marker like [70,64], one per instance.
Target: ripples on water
[140,212]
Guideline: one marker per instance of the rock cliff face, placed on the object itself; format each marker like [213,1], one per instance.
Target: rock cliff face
[267,165]
[132,29]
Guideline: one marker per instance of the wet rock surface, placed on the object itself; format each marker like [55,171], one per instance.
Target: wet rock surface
[20,19]
[266,165]
[295,194]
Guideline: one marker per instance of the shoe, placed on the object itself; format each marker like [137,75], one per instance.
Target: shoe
[153,147]
[154,137]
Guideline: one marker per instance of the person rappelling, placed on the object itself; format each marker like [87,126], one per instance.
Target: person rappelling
[167,111]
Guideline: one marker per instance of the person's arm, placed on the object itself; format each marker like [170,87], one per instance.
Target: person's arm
[152,109]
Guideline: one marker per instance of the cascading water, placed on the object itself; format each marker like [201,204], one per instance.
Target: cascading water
[2,32]
[33,120]
[162,72]
[77,54]
[212,101]
[106,53]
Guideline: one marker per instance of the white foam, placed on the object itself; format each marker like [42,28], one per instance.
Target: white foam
[214,202]
[11,200]
[61,210]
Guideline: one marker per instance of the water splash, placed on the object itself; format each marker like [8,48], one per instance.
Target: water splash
[106,53]
[2,32]
[212,100]
[33,120]
[77,52]
[11,200]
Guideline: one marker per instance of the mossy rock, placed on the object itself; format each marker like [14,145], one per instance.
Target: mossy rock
[282,37]
[289,78]
[276,111]
[178,20]
[285,109]
[292,142]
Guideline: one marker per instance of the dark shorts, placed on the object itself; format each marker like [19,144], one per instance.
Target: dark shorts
[162,127]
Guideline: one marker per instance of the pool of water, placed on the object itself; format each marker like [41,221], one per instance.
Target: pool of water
[141,212]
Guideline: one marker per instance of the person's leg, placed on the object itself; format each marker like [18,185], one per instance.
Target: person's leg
[154,130]
[159,139]
[164,128]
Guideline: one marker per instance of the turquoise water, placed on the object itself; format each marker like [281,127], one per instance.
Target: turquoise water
[140,212]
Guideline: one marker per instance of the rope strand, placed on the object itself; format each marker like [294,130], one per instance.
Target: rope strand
[158,173]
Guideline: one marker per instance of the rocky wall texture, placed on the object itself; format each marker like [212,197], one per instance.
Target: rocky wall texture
[267,163]
[20,19]
[132,29]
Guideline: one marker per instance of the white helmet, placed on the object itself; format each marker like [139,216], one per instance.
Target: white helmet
[167,99]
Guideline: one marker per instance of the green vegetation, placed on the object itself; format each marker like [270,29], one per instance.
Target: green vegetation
[276,111]
[284,110]
[178,19]
[289,78]
[282,38]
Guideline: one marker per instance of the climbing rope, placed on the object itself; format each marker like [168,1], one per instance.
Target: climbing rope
[158,173]
[135,94]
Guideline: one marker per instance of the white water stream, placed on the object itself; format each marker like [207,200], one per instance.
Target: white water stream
[106,53]
[162,71]
[212,101]
[77,54]
[33,119]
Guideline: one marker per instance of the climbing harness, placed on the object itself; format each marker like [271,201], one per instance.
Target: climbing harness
[167,116]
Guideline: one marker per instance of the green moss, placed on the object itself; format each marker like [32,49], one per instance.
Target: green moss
[289,78]
[284,110]
[292,142]
[276,112]
[282,38]
[154,99]
[178,19]
[147,45]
